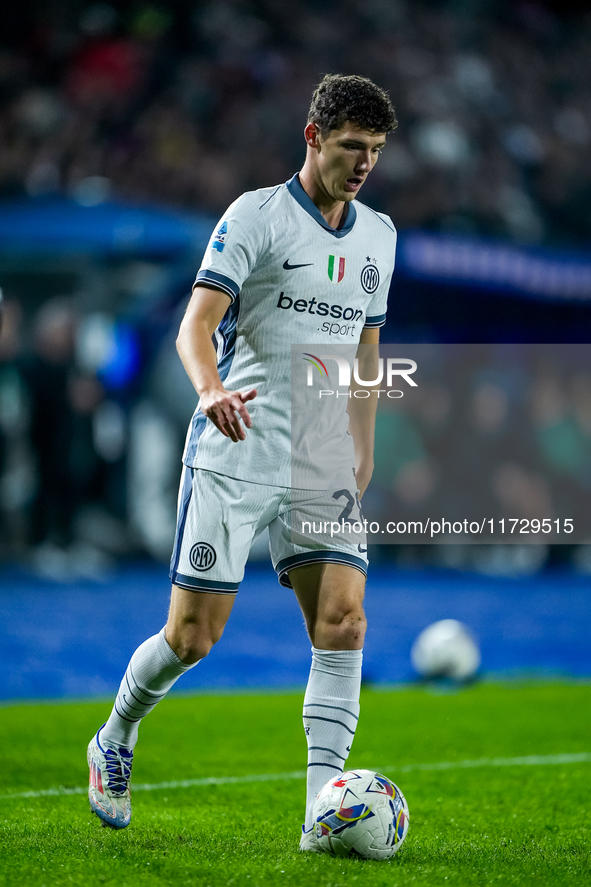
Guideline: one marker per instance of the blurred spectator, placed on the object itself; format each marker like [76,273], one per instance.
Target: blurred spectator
[107,70]
[62,404]
[16,470]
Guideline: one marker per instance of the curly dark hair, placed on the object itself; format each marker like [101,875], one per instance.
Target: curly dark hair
[342,98]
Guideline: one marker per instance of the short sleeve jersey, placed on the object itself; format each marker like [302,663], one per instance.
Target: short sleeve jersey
[292,279]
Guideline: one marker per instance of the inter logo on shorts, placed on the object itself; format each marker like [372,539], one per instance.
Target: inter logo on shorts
[202,556]
[336,268]
[370,279]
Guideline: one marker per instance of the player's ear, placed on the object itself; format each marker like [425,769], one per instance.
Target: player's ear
[312,136]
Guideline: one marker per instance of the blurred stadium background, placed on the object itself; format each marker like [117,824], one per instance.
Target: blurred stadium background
[125,130]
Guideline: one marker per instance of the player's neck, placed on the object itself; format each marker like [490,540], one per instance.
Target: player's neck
[332,210]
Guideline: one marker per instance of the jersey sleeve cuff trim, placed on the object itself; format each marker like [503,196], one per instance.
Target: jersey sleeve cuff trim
[193,583]
[376,320]
[316,557]
[219,281]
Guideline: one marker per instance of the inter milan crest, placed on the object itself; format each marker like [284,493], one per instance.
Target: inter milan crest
[202,556]
[336,268]
[370,279]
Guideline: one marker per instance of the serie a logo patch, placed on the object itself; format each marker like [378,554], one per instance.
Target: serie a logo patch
[219,241]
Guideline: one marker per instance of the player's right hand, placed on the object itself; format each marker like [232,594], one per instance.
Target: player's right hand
[226,409]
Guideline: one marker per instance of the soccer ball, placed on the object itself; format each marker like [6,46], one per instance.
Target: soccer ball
[361,813]
[446,649]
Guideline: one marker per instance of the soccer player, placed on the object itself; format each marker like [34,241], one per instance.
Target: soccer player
[301,262]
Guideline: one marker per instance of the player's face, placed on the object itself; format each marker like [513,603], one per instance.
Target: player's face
[345,157]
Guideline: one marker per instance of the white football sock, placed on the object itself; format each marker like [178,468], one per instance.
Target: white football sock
[152,671]
[331,712]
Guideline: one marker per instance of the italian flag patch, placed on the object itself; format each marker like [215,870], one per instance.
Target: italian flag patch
[336,268]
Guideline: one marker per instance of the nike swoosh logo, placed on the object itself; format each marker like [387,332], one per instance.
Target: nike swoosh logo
[289,267]
[360,549]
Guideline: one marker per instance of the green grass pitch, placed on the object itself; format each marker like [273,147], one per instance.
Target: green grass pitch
[489,823]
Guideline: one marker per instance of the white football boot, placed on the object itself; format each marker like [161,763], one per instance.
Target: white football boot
[108,789]
[309,841]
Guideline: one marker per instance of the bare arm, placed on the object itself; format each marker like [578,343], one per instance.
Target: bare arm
[195,347]
[362,411]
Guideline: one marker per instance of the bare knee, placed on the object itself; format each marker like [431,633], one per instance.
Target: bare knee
[196,622]
[342,628]
[192,641]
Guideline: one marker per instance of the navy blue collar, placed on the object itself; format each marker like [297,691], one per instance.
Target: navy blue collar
[296,190]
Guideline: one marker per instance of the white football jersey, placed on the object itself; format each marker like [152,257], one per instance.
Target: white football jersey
[292,279]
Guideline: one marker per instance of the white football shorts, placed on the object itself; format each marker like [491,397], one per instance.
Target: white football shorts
[219,517]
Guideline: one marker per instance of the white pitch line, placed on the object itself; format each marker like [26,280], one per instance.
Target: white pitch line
[527,761]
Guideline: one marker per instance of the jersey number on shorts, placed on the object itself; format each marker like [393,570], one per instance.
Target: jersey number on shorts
[351,500]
